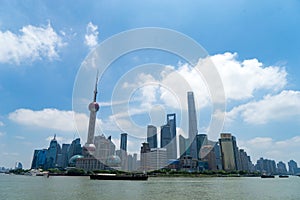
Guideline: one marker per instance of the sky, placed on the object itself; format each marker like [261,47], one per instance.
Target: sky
[47,46]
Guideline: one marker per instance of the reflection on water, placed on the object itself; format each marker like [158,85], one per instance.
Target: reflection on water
[27,188]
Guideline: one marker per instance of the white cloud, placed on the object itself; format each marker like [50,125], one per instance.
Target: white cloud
[2,133]
[91,36]
[50,118]
[167,87]
[282,106]
[242,78]
[1,124]
[33,43]
[19,137]
[281,150]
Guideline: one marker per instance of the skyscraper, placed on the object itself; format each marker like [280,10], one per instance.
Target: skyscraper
[168,136]
[192,125]
[152,136]
[201,140]
[183,143]
[89,147]
[52,152]
[281,168]
[227,152]
[292,167]
[123,143]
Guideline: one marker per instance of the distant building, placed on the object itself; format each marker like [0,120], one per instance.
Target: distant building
[208,155]
[123,152]
[75,148]
[39,159]
[189,164]
[52,154]
[201,140]
[18,165]
[168,137]
[266,166]
[145,149]
[152,136]
[217,151]
[192,119]
[183,146]
[228,151]
[104,148]
[281,168]
[293,167]
[123,144]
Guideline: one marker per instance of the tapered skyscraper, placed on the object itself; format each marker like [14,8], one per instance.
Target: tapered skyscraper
[192,125]
[89,147]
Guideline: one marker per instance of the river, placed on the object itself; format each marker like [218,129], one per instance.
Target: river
[14,187]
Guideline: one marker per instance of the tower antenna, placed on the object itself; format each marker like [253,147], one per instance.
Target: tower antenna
[96,85]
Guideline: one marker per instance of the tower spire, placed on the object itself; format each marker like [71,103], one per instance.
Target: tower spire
[95,90]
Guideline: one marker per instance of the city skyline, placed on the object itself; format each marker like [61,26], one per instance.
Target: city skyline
[254,46]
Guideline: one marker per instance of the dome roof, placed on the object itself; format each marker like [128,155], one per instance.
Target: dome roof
[113,161]
[73,159]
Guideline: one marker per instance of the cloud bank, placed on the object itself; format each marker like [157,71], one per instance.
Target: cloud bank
[31,44]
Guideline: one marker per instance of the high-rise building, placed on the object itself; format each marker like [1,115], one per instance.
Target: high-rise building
[75,148]
[39,159]
[52,153]
[192,125]
[123,152]
[183,146]
[145,149]
[152,158]
[64,155]
[104,148]
[217,150]
[208,155]
[266,166]
[293,167]
[123,143]
[152,136]
[168,136]
[18,165]
[246,163]
[281,168]
[201,140]
[227,152]
[89,147]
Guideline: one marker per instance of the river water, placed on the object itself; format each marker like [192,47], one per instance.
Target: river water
[13,187]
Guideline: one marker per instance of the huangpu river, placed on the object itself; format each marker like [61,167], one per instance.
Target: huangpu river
[14,187]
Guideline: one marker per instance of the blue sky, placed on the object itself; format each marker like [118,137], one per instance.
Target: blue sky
[253,44]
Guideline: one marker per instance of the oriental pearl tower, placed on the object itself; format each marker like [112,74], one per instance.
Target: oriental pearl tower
[89,147]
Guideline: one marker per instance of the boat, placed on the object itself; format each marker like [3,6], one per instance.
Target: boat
[130,177]
[267,176]
[283,176]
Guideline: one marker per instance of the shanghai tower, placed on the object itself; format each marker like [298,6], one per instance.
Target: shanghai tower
[192,125]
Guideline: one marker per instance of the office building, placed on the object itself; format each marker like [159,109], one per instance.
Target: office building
[281,168]
[168,137]
[293,167]
[227,152]
[152,136]
[201,140]
[123,143]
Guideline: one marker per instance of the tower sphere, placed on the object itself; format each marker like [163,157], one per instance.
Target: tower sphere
[94,107]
